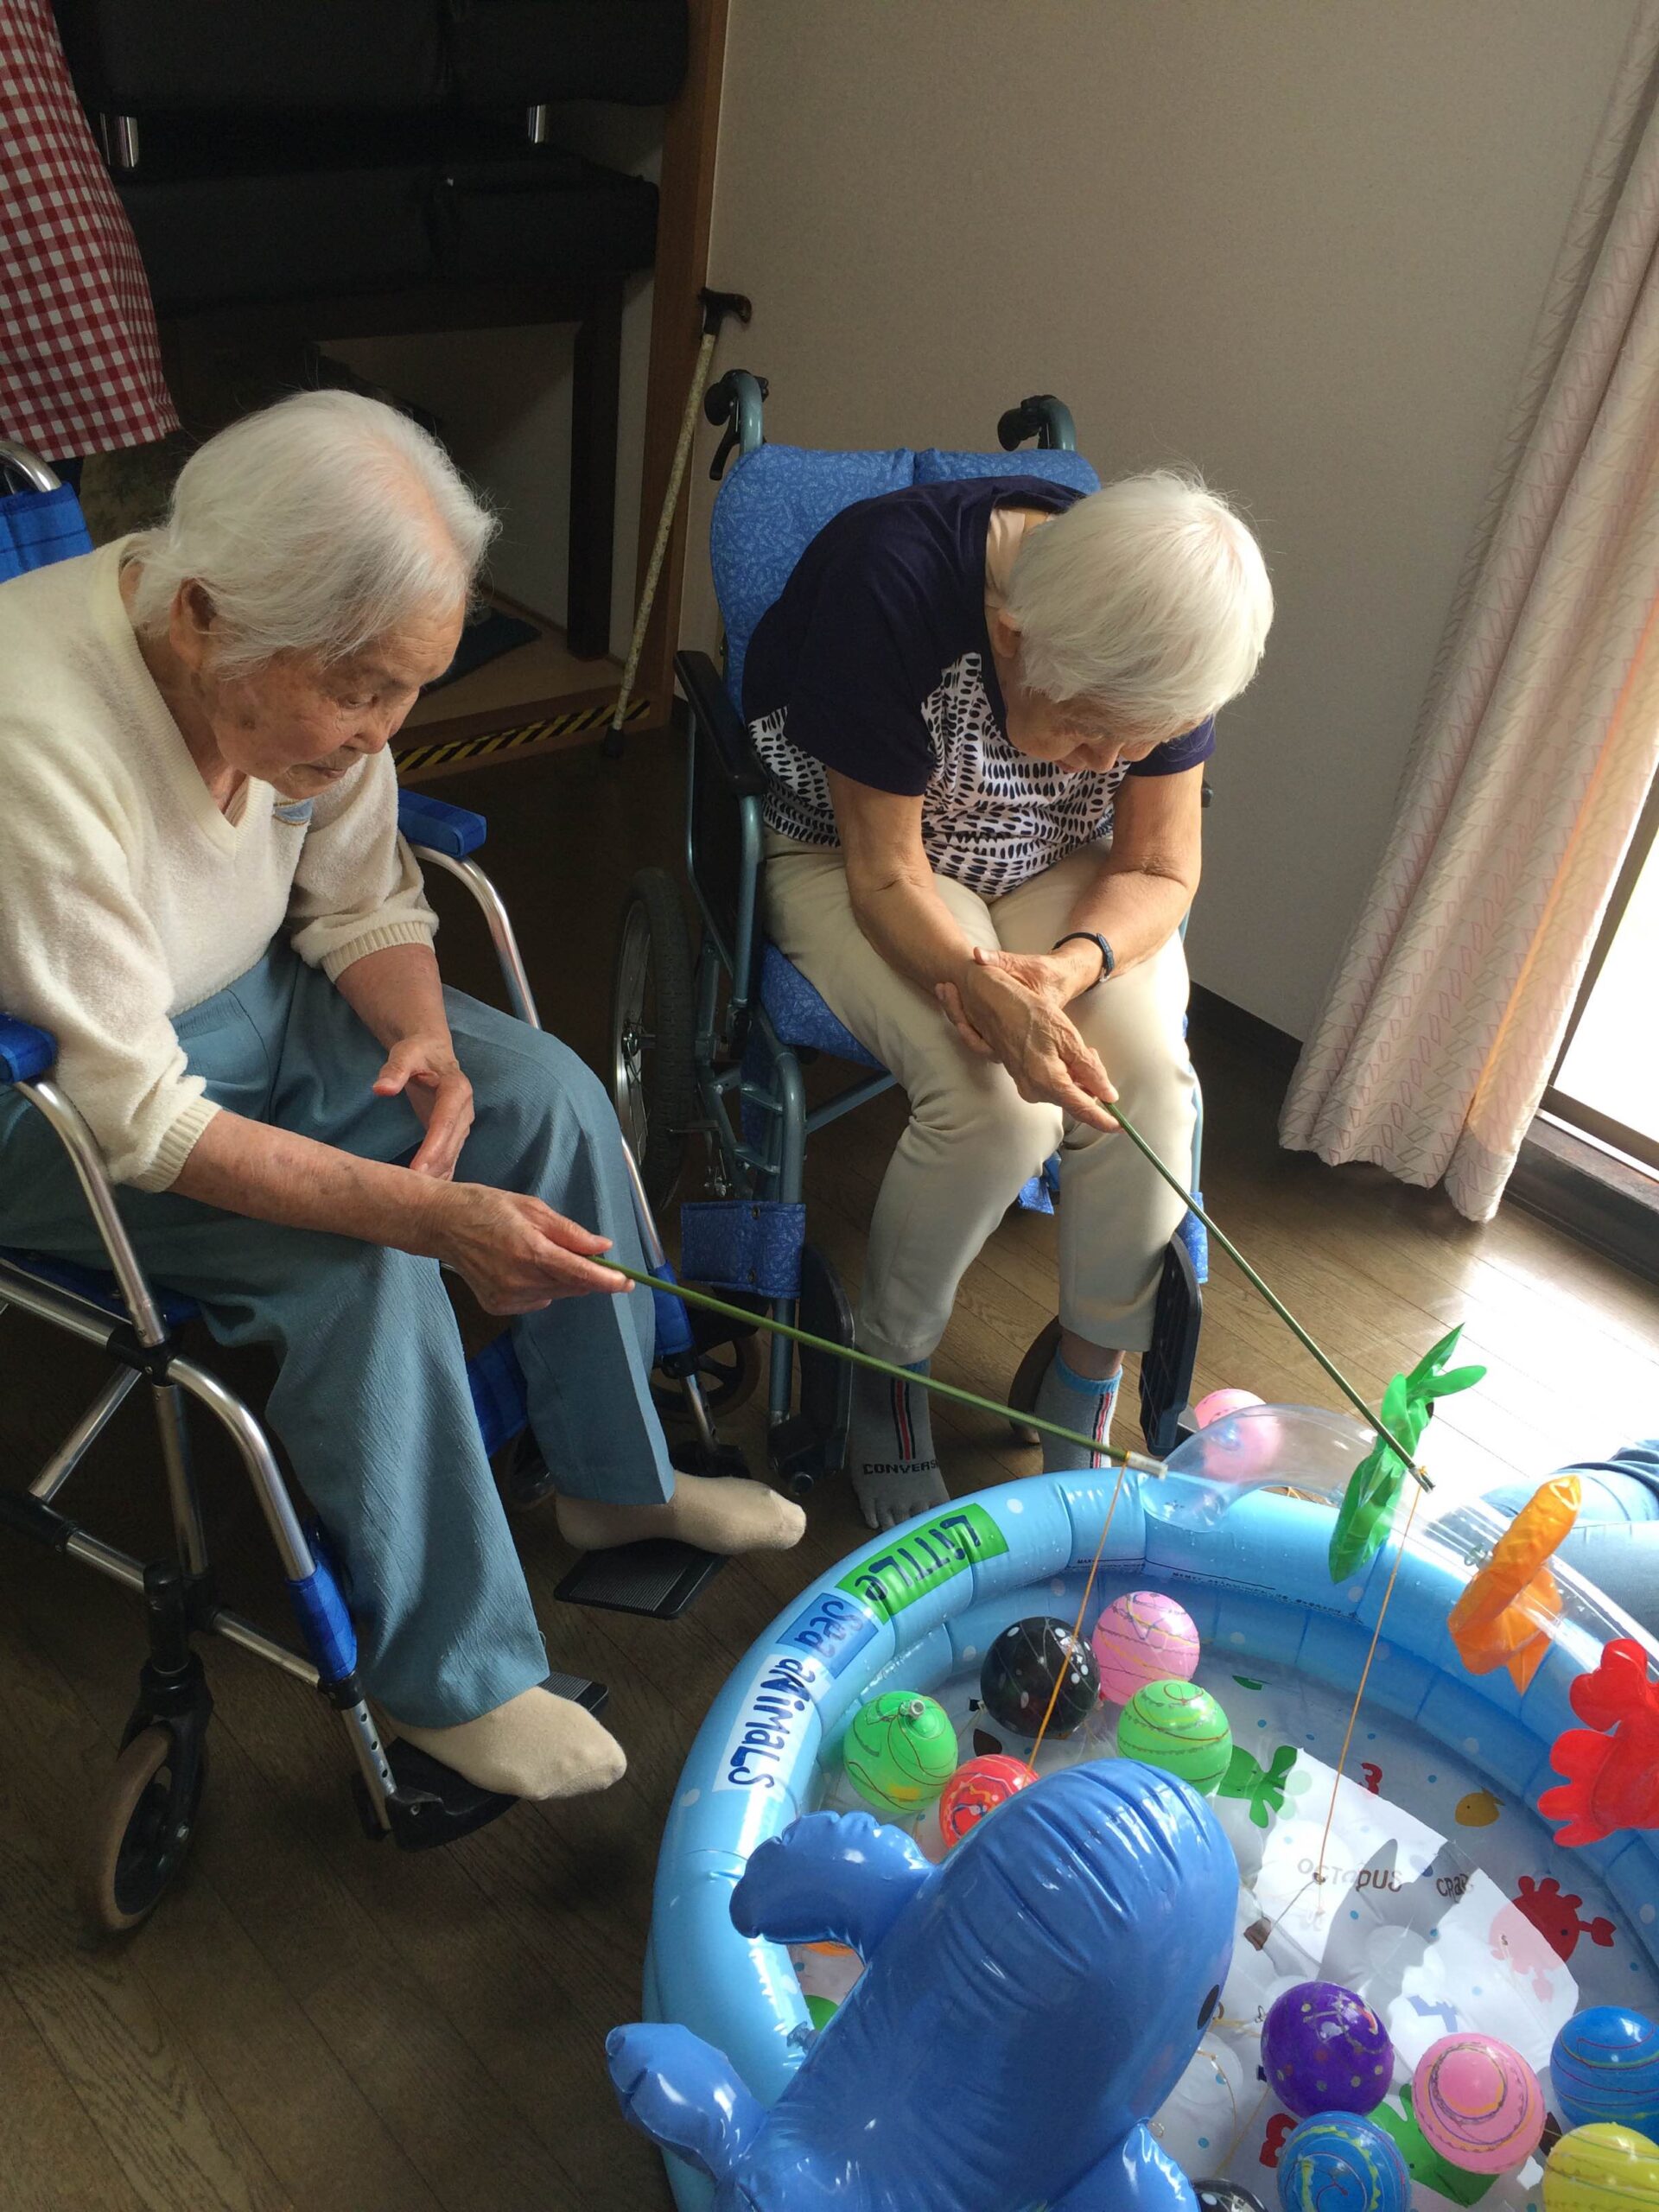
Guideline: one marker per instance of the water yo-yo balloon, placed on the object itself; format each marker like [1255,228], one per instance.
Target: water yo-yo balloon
[900,1750]
[1325,2049]
[1478,2103]
[1181,1728]
[1021,1669]
[1143,1637]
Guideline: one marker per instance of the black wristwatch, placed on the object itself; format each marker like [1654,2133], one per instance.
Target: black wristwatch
[1107,957]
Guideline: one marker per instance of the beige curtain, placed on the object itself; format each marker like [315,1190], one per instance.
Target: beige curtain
[1540,735]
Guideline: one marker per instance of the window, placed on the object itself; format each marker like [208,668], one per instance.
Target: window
[1606,1082]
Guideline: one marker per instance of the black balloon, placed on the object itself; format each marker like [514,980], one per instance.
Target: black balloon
[1020,1669]
[1222,2196]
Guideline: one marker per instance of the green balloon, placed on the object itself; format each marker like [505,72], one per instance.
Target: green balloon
[900,1750]
[1179,1727]
[821,2011]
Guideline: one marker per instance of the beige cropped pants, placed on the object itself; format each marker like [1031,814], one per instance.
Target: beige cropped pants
[972,1142]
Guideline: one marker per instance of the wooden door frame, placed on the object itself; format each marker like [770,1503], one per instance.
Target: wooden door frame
[690,141]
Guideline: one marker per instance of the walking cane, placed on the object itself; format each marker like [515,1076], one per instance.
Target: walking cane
[716,306]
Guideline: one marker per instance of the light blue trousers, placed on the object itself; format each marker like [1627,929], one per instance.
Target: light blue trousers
[371,1399]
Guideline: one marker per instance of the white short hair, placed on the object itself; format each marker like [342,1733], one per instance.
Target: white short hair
[1148,601]
[314,526]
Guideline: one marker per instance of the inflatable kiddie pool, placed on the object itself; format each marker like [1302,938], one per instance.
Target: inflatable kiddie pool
[1446,1903]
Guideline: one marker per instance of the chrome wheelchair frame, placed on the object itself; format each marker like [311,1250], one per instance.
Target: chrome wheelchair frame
[696,1055]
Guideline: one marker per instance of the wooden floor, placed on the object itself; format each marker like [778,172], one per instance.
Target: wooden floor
[313,2021]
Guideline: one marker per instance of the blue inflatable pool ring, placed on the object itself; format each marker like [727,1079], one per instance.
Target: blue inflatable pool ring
[1438,1859]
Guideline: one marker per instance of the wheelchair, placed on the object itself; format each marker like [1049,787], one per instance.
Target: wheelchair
[142,1826]
[710,1041]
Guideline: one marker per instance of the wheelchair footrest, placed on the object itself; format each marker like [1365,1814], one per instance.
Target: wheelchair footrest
[433,1804]
[659,1577]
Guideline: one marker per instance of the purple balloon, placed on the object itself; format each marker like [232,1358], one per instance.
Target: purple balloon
[1324,2049]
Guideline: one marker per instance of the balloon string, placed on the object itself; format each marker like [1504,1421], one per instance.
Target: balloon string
[1141,1461]
[1189,1198]
[1365,1676]
[1077,1626]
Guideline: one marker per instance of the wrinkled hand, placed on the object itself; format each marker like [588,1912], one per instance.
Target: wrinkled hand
[517,1255]
[424,1070]
[1024,1026]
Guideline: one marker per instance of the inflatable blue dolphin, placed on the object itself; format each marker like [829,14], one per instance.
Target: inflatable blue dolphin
[1025,2008]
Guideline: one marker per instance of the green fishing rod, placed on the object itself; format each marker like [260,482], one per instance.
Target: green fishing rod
[1140,1462]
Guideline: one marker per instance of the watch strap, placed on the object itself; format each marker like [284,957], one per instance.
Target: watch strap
[1107,957]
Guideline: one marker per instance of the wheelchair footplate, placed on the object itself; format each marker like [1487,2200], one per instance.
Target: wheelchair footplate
[659,1577]
[433,1804]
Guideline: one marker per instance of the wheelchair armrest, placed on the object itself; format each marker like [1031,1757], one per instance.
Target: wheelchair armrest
[453,831]
[25,1052]
[711,705]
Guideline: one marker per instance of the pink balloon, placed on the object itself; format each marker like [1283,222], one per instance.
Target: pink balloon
[1220,1403]
[1478,2103]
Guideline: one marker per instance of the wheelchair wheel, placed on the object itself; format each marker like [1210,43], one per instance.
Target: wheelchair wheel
[1022,1392]
[729,1374]
[653,1032]
[521,1474]
[141,1830]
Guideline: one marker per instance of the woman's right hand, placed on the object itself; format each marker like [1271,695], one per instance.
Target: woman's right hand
[1029,1032]
[517,1255]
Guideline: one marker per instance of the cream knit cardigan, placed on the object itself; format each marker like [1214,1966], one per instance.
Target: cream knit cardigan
[126,896]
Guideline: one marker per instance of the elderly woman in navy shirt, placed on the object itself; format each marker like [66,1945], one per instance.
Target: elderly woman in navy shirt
[984,708]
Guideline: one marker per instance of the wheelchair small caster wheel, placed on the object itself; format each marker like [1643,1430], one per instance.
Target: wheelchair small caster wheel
[729,1373]
[520,1475]
[142,1829]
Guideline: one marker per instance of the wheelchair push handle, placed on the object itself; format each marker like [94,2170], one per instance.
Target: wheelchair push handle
[1043,417]
[737,399]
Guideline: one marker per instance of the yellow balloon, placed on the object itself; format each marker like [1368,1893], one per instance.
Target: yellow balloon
[1603,2170]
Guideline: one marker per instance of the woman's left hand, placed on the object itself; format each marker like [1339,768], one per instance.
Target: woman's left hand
[424,1070]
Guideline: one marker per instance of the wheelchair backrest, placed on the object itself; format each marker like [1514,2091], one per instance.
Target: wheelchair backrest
[37,528]
[776,500]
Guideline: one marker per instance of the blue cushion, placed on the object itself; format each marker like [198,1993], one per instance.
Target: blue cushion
[453,831]
[37,528]
[25,1051]
[800,1016]
[98,1288]
[934,467]
[772,505]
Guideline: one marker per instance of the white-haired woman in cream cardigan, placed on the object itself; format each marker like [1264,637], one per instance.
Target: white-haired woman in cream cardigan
[207,902]
[984,707]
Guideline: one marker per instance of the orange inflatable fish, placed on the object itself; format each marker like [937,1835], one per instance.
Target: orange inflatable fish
[1507,1614]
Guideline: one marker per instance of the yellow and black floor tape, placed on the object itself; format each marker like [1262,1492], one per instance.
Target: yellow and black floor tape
[489,745]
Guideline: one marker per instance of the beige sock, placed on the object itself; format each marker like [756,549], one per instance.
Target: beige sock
[535,1745]
[717,1513]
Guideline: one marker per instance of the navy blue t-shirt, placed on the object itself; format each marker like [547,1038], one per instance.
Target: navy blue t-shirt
[876,662]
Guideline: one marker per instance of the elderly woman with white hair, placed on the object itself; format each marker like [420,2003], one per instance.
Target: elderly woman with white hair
[207,901]
[984,708]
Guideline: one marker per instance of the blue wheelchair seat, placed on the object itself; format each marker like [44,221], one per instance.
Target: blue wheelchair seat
[97,1287]
[800,1016]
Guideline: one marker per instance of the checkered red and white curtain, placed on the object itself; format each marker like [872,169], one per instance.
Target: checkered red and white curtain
[81,369]
[1540,735]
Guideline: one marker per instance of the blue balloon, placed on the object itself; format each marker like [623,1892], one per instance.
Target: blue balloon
[1337,2162]
[1604,2069]
[1043,1989]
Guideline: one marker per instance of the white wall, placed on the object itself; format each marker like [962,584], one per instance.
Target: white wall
[1300,246]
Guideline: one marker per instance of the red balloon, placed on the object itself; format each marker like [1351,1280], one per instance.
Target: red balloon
[977,1788]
